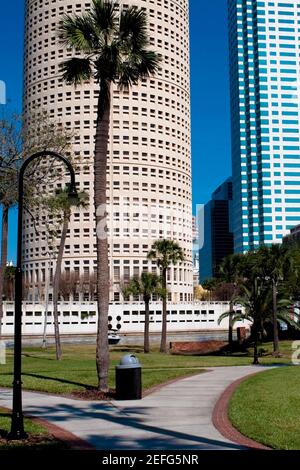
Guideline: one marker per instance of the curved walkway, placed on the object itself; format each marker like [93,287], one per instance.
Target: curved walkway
[178,416]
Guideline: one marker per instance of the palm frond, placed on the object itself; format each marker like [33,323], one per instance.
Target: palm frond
[148,62]
[128,76]
[76,70]
[78,32]
[235,316]
[223,316]
[289,321]
[137,66]
[133,28]
[107,62]
[104,18]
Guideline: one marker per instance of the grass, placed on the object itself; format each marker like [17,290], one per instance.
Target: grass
[77,371]
[266,408]
[38,437]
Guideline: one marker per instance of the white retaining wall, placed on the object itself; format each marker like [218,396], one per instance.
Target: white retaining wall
[81,317]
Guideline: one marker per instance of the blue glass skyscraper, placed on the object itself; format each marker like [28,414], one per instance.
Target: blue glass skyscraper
[264,39]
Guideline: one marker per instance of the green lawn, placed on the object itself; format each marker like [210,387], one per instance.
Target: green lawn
[266,408]
[38,437]
[76,371]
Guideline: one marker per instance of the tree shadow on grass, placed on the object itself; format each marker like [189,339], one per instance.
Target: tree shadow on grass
[57,379]
[128,349]
[42,358]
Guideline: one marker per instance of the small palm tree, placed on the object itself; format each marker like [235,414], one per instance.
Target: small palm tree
[229,273]
[9,279]
[275,264]
[4,241]
[210,285]
[18,140]
[114,49]
[147,285]
[60,204]
[165,253]
[8,198]
[256,299]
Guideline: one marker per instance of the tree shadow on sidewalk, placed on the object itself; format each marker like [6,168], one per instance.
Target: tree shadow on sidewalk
[118,430]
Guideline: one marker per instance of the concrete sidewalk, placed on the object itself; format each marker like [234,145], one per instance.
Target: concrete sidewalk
[178,416]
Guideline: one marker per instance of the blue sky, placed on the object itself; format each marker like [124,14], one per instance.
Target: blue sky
[209,90]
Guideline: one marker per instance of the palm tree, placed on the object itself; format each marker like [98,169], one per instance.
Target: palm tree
[9,161]
[61,204]
[7,201]
[210,285]
[114,49]
[145,286]
[257,301]
[165,252]
[4,239]
[18,140]
[229,273]
[275,263]
[9,282]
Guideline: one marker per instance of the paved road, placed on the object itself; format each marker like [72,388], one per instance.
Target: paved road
[178,416]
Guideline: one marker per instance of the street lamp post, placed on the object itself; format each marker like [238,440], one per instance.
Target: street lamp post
[17,425]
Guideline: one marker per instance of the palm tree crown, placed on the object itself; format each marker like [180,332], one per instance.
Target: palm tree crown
[113,46]
[274,262]
[146,285]
[229,268]
[166,252]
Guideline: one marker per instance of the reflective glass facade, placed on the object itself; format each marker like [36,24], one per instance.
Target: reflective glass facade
[264,38]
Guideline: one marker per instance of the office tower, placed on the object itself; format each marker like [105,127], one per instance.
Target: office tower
[218,236]
[149,168]
[2,92]
[264,71]
[195,251]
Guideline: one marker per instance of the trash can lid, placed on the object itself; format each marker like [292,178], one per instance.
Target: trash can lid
[129,361]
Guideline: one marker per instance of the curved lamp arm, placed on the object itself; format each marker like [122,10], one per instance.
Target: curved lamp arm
[17,426]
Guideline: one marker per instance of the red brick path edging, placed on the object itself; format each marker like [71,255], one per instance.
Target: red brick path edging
[221,420]
[75,442]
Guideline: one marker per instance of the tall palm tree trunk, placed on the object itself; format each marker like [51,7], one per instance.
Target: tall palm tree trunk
[255,352]
[276,350]
[44,343]
[100,167]
[163,344]
[230,327]
[4,238]
[56,280]
[146,330]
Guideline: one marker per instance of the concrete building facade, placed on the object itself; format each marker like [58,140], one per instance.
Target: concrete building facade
[149,158]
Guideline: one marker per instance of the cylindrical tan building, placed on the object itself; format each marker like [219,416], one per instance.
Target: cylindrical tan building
[149,171]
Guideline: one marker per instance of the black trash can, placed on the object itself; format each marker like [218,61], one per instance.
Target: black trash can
[129,378]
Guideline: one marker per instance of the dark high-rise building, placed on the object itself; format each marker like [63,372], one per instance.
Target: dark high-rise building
[218,236]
